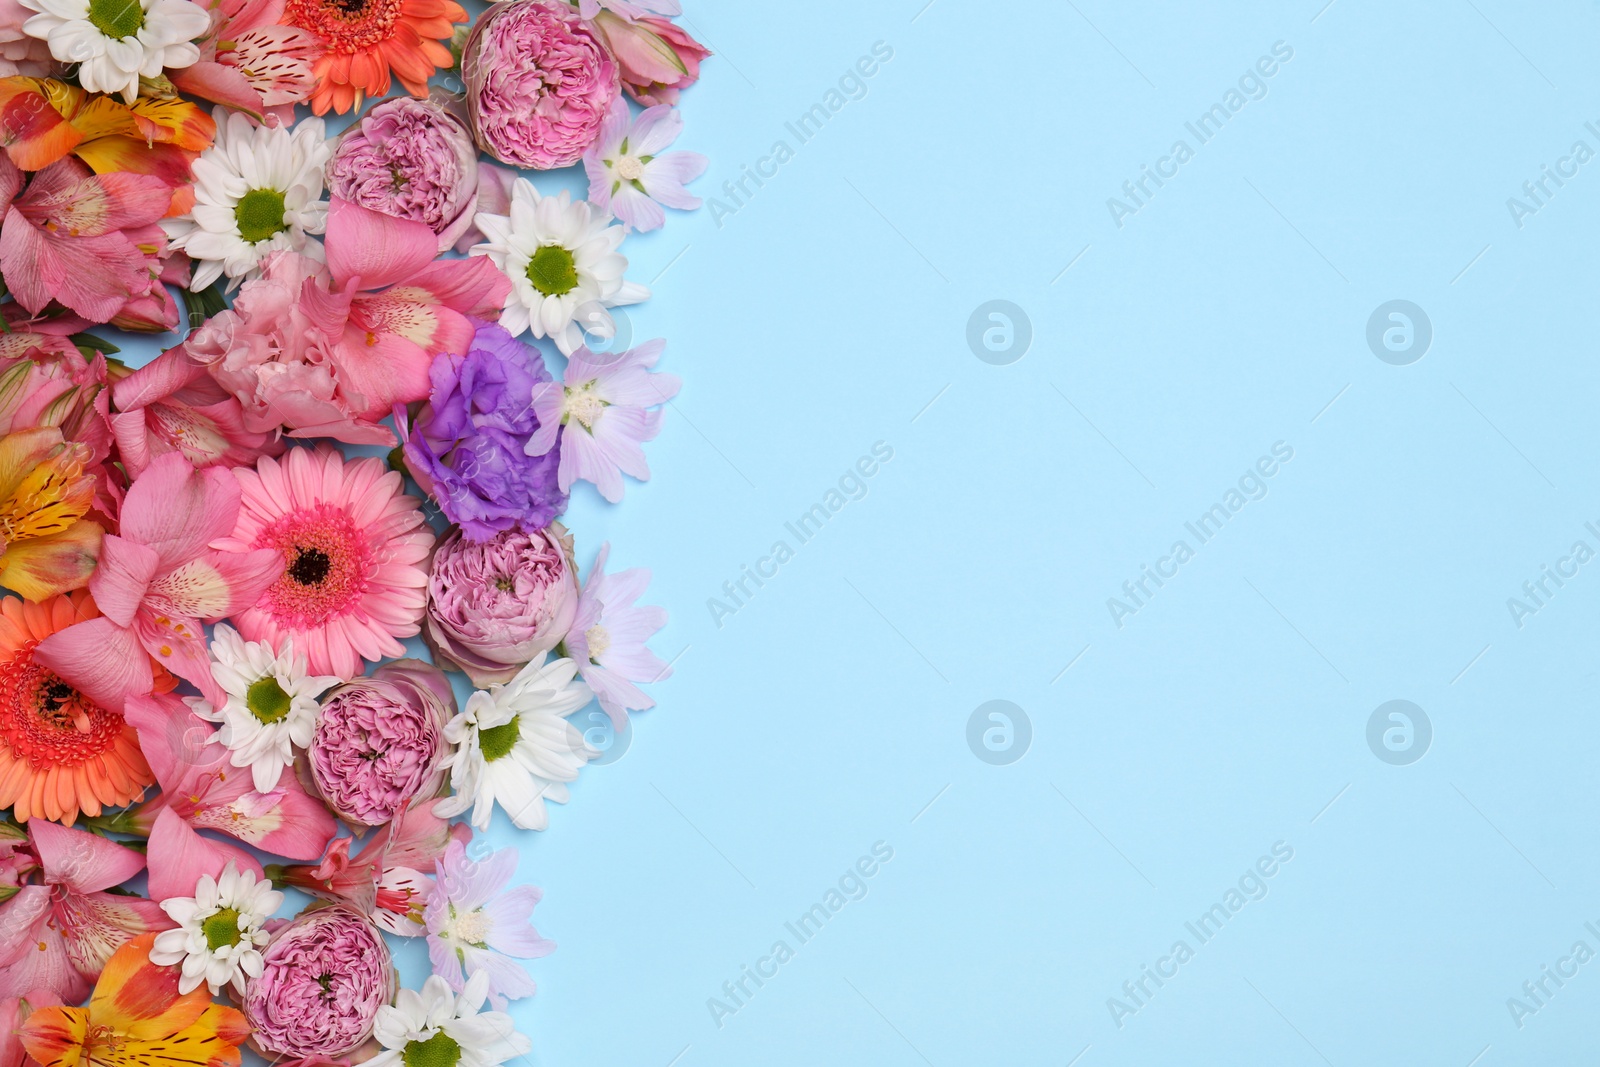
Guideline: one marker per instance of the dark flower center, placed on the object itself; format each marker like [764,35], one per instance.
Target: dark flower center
[310,566]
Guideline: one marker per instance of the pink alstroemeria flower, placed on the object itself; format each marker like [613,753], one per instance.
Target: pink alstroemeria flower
[58,936]
[327,351]
[201,791]
[252,64]
[158,581]
[602,408]
[390,879]
[590,8]
[74,236]
[608,639]
[393,306]
[172,404]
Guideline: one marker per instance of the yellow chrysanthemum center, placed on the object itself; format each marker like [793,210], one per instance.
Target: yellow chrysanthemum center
[259,215]
[553,271]
[221,929]
[440,1050]
[266,700]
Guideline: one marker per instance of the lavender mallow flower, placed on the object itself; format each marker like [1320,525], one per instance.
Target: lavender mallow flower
[324,976]
[468,447]
[411,159]
[475,923]
[609,635]
[629,173]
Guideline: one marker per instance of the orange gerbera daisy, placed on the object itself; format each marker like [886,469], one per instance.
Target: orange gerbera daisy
[366,39]
[60,754]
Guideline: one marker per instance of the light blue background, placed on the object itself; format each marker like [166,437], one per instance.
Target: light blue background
[829,713]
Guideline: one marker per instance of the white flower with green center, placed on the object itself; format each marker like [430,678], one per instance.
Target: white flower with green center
[219,936]
[258,190]
[112,43]
[515,747]
[271,708]
[438,1028]
[565,270]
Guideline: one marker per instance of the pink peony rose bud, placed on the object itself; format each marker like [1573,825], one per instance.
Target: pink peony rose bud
[539,83]
[379,741]
[656,56]
[325,974]
[411,159]
[494,606]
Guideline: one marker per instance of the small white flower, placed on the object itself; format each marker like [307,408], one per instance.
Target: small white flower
[563,263]
[257,190]
[219,936]
[115,42]
[514,746]
[272,704]
[437,1028]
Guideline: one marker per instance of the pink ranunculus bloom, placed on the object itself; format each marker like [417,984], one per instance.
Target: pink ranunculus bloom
[391,878]
[495,605]
[328,351]
[172,404]
[604,409]
[657,57]
[609,635]
[413,159]
[58,935]
[379,742]
[201,791]
[539,83]
[74,237]
[251,63]
[158,582]
[325,975]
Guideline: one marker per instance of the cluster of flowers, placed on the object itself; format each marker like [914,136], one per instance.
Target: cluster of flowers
[201,667]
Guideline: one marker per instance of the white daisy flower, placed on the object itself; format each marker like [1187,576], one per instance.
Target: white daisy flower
[219,936]
[272,704]
[258,189]
[563,263]
[114,42]
[437,1028]
[515,747]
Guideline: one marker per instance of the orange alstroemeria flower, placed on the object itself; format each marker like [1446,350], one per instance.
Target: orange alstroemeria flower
[137,1018]
[43,120]
[46,544]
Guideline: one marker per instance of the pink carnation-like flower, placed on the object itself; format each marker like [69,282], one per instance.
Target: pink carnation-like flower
[323,979]
[496,605]
[379,741]
[353,544]
[539,83]
[411,159]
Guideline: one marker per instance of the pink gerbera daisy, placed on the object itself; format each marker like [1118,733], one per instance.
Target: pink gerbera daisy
[353,545]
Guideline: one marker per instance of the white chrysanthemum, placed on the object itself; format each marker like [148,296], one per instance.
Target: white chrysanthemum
[437,1028]
[219,936]
[514,746]
[562,259]
[257,190]
[113,42]
[271,708]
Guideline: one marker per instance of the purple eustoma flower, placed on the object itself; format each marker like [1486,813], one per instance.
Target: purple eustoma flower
[601,409]
[628,174]
[608,638]
[466,449]
[473,926]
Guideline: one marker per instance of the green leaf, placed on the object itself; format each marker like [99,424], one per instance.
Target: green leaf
[204,304]
[88,344]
